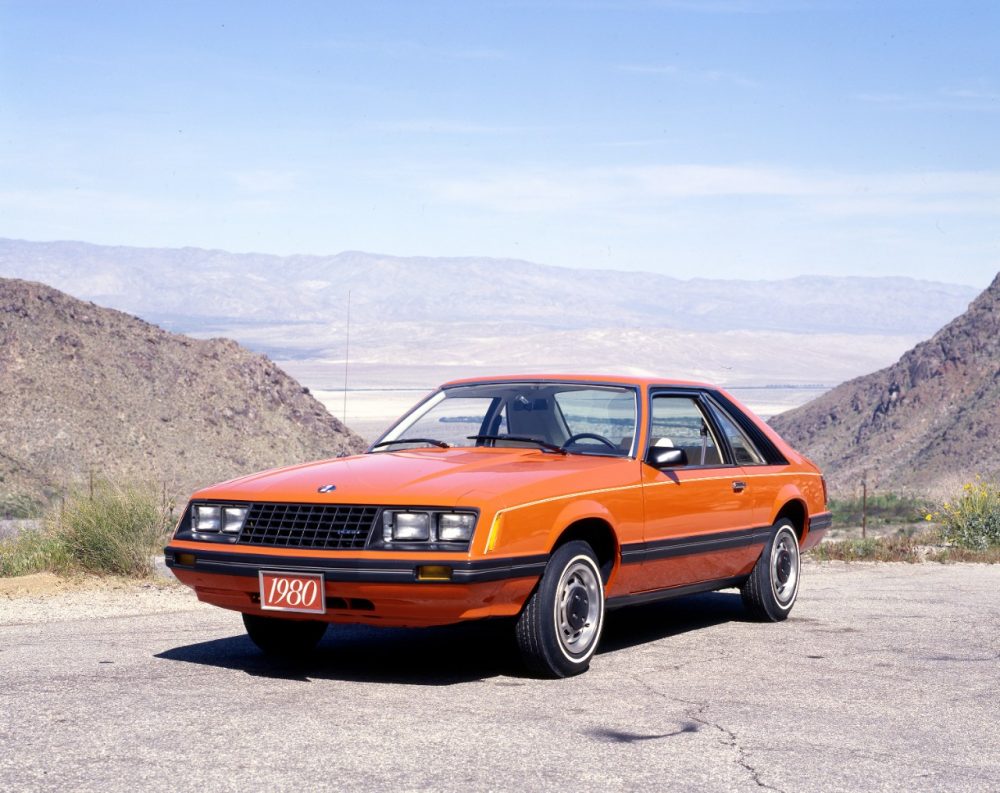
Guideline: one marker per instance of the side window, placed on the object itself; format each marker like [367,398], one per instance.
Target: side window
[743,449]
[678,421]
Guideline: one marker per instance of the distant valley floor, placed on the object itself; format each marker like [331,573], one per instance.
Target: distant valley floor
[378,394]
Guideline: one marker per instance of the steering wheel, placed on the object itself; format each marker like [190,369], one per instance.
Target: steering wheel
[592,436]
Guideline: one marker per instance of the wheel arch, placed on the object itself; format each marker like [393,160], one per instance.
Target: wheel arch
[797,512]
[599,535]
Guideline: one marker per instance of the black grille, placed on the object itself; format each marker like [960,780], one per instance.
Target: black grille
[326,526]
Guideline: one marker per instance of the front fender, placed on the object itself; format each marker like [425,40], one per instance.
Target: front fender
[576,511]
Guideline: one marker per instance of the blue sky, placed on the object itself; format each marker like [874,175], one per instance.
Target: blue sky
[725,138]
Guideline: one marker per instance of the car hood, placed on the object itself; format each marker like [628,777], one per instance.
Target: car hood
[426,477]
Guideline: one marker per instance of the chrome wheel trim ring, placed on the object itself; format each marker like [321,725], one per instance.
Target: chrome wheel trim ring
[579,609]
[785,567]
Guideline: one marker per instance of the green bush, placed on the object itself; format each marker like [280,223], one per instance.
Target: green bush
[19,506]
[115,529]
[32,551]
[899,548]
[881,509]
[972,520]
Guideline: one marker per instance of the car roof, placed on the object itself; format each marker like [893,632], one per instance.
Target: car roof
[580,378]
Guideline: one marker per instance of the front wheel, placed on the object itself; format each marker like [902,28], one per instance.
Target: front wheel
[560,625]
[770,591]
[284,638]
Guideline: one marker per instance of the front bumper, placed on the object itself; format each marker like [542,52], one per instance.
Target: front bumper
[364,589]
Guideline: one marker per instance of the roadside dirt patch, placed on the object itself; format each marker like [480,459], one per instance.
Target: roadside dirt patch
[46,597]
[36,584]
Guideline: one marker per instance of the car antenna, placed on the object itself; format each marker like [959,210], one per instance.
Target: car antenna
[347,353]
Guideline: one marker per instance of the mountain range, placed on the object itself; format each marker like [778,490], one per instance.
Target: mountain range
[415,321]
[192,287]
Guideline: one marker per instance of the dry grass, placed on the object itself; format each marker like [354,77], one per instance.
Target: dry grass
[115,529]
[912,547]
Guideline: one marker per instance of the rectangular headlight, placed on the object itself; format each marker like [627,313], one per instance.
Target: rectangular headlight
[206,518]
[232,519]
[456,526]
[406,526]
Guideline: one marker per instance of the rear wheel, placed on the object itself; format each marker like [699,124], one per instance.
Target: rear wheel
[560,625]
[284,638]
[770,591]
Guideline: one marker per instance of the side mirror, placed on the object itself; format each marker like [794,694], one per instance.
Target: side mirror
[666,457]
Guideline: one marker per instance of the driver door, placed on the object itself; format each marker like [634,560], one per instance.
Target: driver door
[697,514]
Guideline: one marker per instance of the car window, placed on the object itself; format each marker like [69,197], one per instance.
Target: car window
[607,413]
[743,449]
[537,412]
[453,420]
[678,421]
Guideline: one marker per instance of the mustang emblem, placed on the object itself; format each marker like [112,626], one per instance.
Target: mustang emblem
[326,488]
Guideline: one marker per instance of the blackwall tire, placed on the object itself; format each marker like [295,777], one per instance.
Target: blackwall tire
[560,625]
[284,638]
[773,586]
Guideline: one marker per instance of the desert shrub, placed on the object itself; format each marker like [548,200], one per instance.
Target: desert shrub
[32,551]
[882,509]
[897,548]
[19,506]
[953,553]
[972,519]
[114,529]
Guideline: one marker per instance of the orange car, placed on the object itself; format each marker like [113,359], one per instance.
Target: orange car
[546,498]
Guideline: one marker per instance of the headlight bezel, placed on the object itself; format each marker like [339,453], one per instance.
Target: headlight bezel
[451,538]
[213,521]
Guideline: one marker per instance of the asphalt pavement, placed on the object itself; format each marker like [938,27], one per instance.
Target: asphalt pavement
[884,678]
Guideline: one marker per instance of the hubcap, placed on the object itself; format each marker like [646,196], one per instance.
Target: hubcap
[578,608]
[785,567]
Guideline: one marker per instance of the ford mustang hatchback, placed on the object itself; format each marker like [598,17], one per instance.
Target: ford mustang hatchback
[545,499]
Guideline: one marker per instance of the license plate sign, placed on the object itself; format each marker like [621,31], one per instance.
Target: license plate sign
[302,592]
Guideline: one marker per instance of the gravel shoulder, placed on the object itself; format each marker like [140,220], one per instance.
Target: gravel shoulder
[45,597]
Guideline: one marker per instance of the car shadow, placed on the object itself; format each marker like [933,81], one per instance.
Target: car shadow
[634,625]
[451,654]
[416,656]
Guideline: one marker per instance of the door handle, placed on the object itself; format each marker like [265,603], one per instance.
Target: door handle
[739,487]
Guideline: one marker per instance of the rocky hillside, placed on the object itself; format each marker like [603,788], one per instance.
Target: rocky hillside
[931,419]
[85,388]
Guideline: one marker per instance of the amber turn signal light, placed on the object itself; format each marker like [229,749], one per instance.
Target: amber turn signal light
[186,559]
[433,572]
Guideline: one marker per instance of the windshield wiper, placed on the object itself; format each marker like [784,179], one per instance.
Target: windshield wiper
[521,438]
[431,441]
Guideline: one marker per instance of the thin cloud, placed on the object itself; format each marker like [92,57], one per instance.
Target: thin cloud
[946,99]
[689,75]
[416,49]
[437,126]
[640,189]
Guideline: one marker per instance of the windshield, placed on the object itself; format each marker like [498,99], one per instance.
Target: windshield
[554,417]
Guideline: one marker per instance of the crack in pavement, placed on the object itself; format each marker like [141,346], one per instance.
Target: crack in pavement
[731,740]
[696,711]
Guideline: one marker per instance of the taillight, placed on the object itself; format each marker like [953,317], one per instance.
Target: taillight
[825,497]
